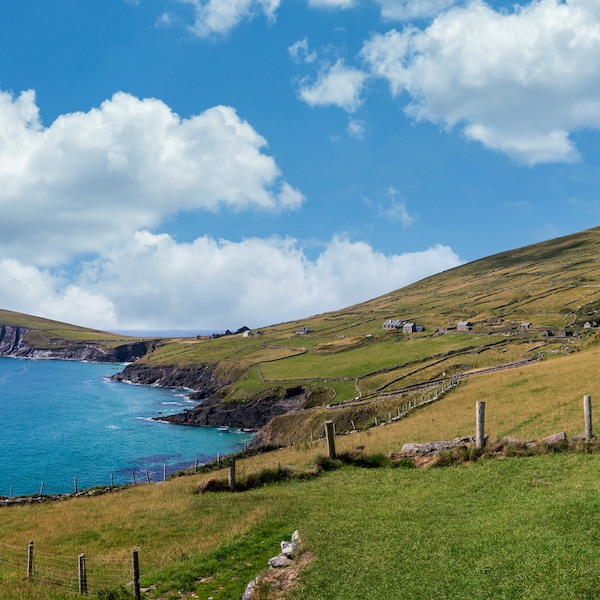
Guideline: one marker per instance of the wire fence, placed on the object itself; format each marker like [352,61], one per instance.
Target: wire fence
[79,574]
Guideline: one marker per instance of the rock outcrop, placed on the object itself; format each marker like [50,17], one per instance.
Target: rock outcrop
[199,378]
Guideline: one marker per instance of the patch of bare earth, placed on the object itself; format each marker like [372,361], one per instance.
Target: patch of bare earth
[275,583]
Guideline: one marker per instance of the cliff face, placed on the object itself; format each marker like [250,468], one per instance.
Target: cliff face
[13,343]
[250,414]
[199,378]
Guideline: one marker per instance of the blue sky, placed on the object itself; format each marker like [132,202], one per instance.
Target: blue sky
[218,163]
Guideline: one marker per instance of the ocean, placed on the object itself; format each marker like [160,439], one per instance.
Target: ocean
[61,420]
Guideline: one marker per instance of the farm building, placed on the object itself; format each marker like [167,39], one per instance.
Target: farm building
[525,326]
[409,328]
[303,330]
[464,326]
[393,324]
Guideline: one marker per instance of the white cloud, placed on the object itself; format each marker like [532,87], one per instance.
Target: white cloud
[396,211]
[221,16]
[91,180]
[356,129]
[38,292]
[338,85]
[299,51]
[155,282]
[518,82]
[407,10]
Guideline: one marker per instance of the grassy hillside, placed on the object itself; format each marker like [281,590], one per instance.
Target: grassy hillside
[521,528]
[44,333]
[346,355]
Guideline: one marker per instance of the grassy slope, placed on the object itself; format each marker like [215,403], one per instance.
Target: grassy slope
[522,528]
[45,333]
[554,285]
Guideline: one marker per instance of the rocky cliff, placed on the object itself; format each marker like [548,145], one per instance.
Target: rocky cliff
[249,414]
[14,342]
[199,378]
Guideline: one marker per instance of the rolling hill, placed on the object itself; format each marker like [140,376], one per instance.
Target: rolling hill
[523,306]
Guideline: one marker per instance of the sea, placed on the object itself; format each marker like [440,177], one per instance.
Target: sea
[65,424]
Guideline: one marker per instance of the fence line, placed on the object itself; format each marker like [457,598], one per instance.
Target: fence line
[65,571]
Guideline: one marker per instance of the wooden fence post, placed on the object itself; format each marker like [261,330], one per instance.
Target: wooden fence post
[480,425]
[330,435]
[587,415]
[135,567]
[83,586]
[148,477]
[30,561]
[232,475]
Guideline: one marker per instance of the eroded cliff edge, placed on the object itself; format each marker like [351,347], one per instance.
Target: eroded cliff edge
[15,342]
[213,409]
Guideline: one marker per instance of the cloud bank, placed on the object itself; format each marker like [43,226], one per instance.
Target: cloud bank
[154,282]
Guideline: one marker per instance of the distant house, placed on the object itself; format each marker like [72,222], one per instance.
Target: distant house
[420,328]
[393,324]
[304,330]
[409,328]
[547,333]
[525,326]
[564,333]
[248,333]
[464,326]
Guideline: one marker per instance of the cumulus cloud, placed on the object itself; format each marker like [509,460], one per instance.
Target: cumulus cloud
[518,82]
[221,16]
[337,85]
[90,180]
[39,292]
[155,282]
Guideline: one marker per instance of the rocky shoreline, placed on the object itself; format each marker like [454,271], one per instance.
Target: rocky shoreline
[212,409]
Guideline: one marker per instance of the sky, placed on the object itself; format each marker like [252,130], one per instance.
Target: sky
[213,164]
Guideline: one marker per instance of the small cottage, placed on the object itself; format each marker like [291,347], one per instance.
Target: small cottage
[409,328]
[393,324]
[303,330]
[464,326]
[525,326]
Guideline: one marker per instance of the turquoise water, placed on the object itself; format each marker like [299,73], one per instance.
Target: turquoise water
[61,420]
